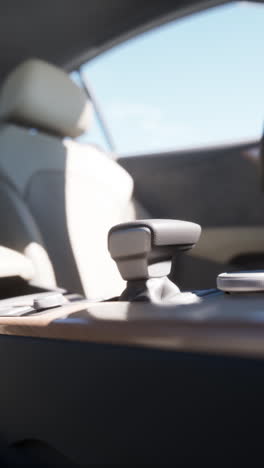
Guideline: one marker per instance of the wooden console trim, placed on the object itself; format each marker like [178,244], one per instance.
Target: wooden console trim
[141,325]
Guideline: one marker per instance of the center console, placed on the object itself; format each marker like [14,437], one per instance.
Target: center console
[151,311]
[153,376]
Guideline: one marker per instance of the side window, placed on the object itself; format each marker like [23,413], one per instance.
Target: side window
[193,82]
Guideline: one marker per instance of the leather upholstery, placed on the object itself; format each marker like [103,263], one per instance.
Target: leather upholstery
[22,247]
[74,192]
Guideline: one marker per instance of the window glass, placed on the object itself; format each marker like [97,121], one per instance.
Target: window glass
[193,82]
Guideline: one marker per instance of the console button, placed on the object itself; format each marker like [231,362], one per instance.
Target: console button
[243,281]
[49,301]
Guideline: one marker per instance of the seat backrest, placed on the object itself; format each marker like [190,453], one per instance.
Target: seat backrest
[74,192]
[22,247]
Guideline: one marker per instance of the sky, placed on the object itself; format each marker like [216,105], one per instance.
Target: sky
[197,81]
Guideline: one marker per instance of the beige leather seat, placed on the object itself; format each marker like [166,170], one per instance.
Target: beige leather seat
[73,192]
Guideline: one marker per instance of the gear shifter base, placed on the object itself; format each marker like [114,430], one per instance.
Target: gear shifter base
[154,290]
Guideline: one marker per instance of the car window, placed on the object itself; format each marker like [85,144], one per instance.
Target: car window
[193,82]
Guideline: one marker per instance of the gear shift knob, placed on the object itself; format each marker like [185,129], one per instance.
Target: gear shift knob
[136,245]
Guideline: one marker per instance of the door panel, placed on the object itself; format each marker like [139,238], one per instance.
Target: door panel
[218,188]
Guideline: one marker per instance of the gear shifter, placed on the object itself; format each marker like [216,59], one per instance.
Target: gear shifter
[137,245]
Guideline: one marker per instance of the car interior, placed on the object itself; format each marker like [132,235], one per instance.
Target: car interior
[131,286]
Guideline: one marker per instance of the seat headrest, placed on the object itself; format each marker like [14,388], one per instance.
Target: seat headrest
[43,96]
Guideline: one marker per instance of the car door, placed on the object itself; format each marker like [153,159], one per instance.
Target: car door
[220,189]
[184,106]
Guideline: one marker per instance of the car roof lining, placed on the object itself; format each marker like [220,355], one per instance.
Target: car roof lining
[70,32]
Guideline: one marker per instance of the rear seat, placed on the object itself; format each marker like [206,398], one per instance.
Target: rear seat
[73,192]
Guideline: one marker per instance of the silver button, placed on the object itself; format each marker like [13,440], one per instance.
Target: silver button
[243,281]
[49,301]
